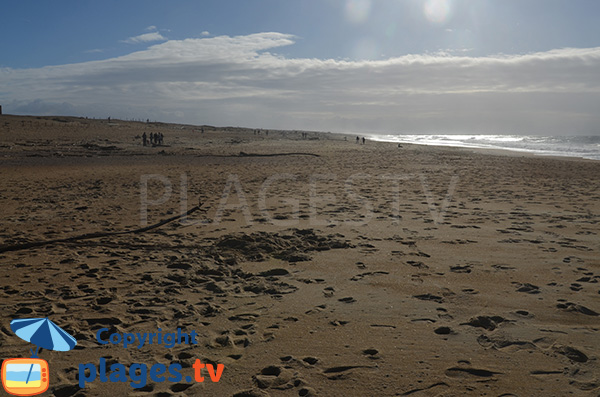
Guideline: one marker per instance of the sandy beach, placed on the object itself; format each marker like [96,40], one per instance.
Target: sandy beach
[314,265]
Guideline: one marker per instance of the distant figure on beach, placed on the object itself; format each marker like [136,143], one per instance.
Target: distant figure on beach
[364,140]
[357,139]
[161,137]
[144,138]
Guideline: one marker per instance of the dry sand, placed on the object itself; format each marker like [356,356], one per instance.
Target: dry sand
[340,270]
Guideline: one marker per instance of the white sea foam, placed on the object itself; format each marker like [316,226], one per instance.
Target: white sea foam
[571,146]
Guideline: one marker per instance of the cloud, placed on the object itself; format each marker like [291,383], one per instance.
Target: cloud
[145,38]
[43,107]
[240,80]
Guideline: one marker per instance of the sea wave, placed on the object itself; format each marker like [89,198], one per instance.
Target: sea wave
[587,147]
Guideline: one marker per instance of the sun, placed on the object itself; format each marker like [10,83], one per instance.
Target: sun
[437,11]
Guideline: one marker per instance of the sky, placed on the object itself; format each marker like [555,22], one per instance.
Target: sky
[365,66]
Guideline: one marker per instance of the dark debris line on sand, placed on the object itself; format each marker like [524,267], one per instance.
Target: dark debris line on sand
[244,154]
[87,236]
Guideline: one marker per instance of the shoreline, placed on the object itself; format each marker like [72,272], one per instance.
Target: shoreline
[116,126]
[496,150]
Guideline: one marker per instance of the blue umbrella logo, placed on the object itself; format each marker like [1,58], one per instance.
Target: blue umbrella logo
[43,333]
[18,375]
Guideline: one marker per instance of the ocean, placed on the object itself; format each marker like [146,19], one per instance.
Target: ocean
[587,147]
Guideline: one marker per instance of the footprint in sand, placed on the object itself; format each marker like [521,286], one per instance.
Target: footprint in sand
[461,269]
[273,376]
[251,393]
[338,323]
[503,267]
[572,353]
[310,360]
[283,378]
[429,297]
[573,307]
[523,314]
[544,343]
[444,331]
[363,275]
[576,287]
[418,264]
[589,278]
[586,386]
[307,392]
[372,354]
[317,309]
[329,292]
[500,342]
[227,340]
[486,322]
[528,288]
[467,372]
[180,387]
[341,372]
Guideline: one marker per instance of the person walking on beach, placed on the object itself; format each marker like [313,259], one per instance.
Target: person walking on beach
[357,139]
[364,140]
[144,139]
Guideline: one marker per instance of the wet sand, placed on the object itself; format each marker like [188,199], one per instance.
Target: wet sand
[314,267]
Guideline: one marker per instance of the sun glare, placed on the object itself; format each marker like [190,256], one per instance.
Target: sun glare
[437,11]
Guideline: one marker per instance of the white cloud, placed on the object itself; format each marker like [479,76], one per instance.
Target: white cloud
[145,38]
[238,81]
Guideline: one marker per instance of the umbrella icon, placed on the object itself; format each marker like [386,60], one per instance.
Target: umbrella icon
[43,333]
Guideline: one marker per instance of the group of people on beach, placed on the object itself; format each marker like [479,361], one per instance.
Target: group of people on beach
[363,140]
[155,138]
